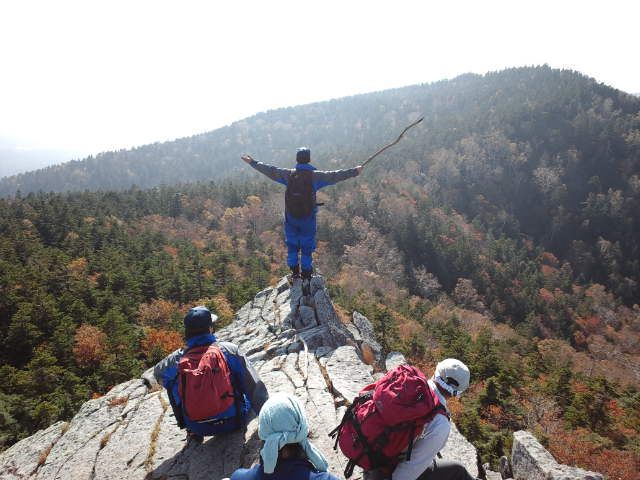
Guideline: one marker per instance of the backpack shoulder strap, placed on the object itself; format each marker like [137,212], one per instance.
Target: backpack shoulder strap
[177,410]
[238,391]
[188,349]
[441,409]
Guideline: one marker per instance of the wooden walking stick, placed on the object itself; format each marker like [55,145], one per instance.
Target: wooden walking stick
[392,143]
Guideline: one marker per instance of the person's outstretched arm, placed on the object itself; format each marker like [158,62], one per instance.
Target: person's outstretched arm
[324,178]
[277,174]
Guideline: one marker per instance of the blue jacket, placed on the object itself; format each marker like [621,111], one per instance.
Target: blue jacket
[291,469]
[243,374]
[320,180]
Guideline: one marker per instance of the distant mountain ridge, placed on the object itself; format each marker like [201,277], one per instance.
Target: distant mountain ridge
[342,132]
[15,159]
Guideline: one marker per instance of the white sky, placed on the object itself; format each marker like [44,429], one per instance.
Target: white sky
[90,76]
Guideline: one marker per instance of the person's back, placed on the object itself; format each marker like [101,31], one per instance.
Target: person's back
[287,453]
[211,386]
[300,205]
[295,468]
[418,459]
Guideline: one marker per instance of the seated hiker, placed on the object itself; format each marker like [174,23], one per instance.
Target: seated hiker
[300,205]
[211,386]
[404,421]
[287,453]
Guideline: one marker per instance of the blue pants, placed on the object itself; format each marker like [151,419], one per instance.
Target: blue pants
[300,236]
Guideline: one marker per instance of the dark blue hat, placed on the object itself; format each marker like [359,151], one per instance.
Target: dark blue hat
[303,155]
[199,318]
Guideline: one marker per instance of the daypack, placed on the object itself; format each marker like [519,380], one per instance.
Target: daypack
[299,198]
[205,384]
[385,418]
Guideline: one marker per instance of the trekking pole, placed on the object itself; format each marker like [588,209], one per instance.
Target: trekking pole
[392,143]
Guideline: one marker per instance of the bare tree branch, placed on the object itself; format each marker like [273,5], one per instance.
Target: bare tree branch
[392,143]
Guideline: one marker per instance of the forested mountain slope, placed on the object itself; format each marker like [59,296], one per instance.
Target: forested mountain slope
[94,286]
[548,154]
[550,111]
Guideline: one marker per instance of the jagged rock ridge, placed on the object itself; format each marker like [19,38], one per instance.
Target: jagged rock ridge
[297,344]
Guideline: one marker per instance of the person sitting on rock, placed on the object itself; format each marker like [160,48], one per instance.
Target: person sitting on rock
[300,205]
[210,384]
[451,378]
[287,453]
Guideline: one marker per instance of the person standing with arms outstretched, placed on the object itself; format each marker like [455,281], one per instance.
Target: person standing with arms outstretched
[300,205]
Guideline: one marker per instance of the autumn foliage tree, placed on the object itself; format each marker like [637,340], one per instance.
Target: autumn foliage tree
[222,308]
[157,313]
[90,346]
[580,447]
[158,343]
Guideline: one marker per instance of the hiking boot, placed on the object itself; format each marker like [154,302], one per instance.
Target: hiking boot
[306,282]
[194,438]
[306,274]
[295,274]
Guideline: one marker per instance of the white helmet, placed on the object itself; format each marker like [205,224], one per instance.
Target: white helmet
[453,376]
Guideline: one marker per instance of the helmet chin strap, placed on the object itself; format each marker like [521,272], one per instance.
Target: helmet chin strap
[449,388]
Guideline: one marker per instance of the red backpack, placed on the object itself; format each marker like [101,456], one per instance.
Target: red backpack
[204,382]
[385,418]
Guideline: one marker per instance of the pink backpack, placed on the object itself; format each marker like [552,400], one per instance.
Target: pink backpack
[204,382]
[385,418]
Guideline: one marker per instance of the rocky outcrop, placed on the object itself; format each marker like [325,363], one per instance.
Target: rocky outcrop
[393,360]
[366,338]
[297,344]
[530,461]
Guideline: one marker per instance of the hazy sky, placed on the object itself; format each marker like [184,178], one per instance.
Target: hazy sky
[90,76]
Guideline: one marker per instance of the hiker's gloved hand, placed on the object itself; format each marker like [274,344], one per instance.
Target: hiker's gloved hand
[247,158]
[359,168]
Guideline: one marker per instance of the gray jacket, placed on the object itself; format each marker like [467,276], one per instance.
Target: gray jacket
[321,178]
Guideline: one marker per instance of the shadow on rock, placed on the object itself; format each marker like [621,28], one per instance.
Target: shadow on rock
[217,457]
[303,314]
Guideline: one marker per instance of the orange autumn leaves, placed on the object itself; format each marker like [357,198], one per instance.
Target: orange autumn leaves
[577,448]
[157,313]
[91,347]
[156,318]
[158,343]
[157,339]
